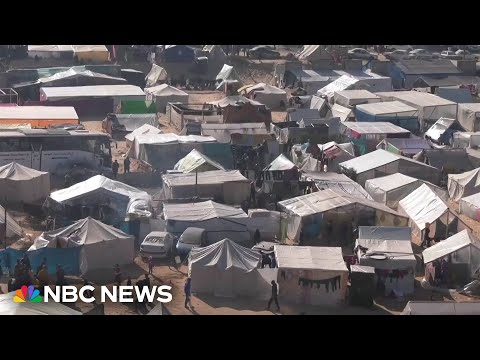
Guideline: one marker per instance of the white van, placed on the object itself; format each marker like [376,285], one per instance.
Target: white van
[157,244]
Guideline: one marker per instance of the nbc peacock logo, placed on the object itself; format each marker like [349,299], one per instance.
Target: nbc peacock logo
[27,294]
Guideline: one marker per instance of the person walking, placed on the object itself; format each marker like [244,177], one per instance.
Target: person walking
[126,165]
[188,292]
[274,296]
[150,265]
[115,167]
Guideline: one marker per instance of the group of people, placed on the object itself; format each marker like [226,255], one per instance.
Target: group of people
[116,167]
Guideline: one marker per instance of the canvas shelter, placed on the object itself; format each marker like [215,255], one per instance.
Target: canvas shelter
[456,94]
[311,275]
[121,199]
[19,183]
[367,135]
[470,206]
[441,132]
[380,163]
[333,124]
[117,92]
[229,187]
[103,246]
[195,161]
[441,308]
[352,98]
[220,221]
[389,251]
[394,112]
[91,53]
[13,229]
[404,147]
[157,75]
[51,51]
[145,129]
[10,307]
[339,183]
[223,132]
[280,169]
[38,116]
[224,269]
[341,112]
[333,153]
[464,140]
[164,94]
[390,189]
[308,215]
[464,184]
[239,109]
[269,95]
[227,73]
[423,206]
[448,160]
[469,116]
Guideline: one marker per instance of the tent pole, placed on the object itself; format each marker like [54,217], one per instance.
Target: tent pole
[446,230]
[5,229]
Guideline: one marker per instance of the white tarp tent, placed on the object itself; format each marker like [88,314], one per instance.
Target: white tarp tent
[469,116]
[389,251]
[196,161]
[441,308]
[390,189]
[280,163]
[103,246]
[164,94]
[344,82]
[19,183]
[342,112]
[463,248]
[10,307]
[470,206]
[145,129]
[352,98]
[269,95]
[157,75]
[465,184]
[224,269]
[311,275]
[50,51]
[339,183]
[466,140]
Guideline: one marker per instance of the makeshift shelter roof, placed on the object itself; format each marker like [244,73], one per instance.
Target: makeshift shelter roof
[17,172]
[9,307]
[265,89]
[439,128]
[450,159]
[442,308]
[317,103]
[344,82]
[450,80]
[89,48]
[227,73]
[193,160]
[52,48]
[226,254]
[281,163]
[370,161]
[156,74]
[76,72]
[467,116]
[38,112]
[391,182]
[339,183]
[12,227]
[463,184]
[455,94]
[352,95]
[448,246]
[171,138]
[133,122]
[207,177]
[417,98]
[54,93]
[386,108]
[309,258]
[201,211]
[423,206]
[236,100]
[341,112]
[375,128]
[427,67]
[410,146]
[145,129]
[222,132]
[303,114]
[164,90]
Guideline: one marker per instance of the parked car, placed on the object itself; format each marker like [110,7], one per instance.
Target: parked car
[396,54]
[420,54]
[359,53]
[450,55]
[191,238]
[263,52]
[465,54]
[157,244]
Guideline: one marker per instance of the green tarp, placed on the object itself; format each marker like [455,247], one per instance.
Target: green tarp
[138,107]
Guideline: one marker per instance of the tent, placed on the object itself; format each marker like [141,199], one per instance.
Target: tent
[231,187]
[380,163]
[50,51]
[466,140]
[223,133]
[342,112]
[352,98]
[424,206]
[405,147]
[339,183]
[269,95]
[460,248]
[103,246]
[441,308]
[390,189]
[389,251]
[145,129]
[441,132]
[91,53]
[465,184]
[227,75]
[239,109]
[121,199]
[19,183]
[195,161]
[13,229]
[311,275]
[38,116]
[470,206]
[224,269]
[344,82]
[10,307]
[220,221]
[469,116]
[128,123]
[309,214]
[157,75]
[164,94]
[333,153]
[394,112]
[449,160]
[455,93]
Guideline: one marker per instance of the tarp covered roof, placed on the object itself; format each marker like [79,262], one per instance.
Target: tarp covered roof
[265,89]
[145,129]
[442,308]
[164,90]
[236,100]
[132,122]
[386,108]
[227,73]
[310,258]
[223,132]
[38,112]
[193,160]
[391,182]
[341,112]
[410,146]
[418,98]
[17,172]
[156,74]
[281,163]
[357,94]
[339,183]
[344,82]
[450,245]
[439,128]
[92,91]
[374,127]
[420,67]
[226,254]
[202,178]
[450,159]
[201,211]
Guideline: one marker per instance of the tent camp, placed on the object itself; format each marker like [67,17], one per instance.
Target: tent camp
[441,308]
[308,216]
[394,112]
[311,275]
[145,129]
[229,187]
[195,161]
[9,307]
[352,98]
[404,147]
[469,116]
[390,189]
[339,183]
[87,197]
[442,131]
[461,248]
[423,206]
[465,184]
[389,251]
[220,221]
[164,94]
[367,135]
[157,75]
[269,95]
[224,269]
[380,163]
[103,246]
[470,206]
[19,183]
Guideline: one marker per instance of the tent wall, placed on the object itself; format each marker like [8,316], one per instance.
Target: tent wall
[469,116]
[232,193]
[273,101]
[391,197]
[162,101]
[26,191]
[470,207]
